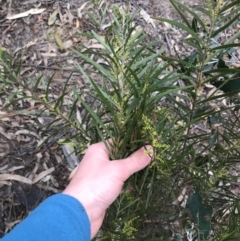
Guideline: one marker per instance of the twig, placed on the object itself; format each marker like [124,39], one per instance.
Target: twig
[8,28]
[168,43]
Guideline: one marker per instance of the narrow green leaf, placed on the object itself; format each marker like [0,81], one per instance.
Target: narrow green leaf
[150,189]
[104,12]
[226,46]
[130,81]
[174,4]
[183,27]
[134,46]
[10,98]
[60,100]
[98,66]
[143,181]
[195,25]
[171,60]
[201,111]
[158,70]
[127,206]
[1,52]
[91,16]
[204,11]
[235,36]
[145,60]
[134,74]
[217,97]
[134,39]
[225,17]
[101,41]
[166,92]
[223,71]
[194,45]
[134,56]
[224,27]
[37,83]
[47,88]
[229,6]
[167,81]
[178,104]
[19,68]
[73,109]
[145,69]
[94,116]
[105,98]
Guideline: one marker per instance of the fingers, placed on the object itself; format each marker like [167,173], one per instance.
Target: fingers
[137,161]
[98,151]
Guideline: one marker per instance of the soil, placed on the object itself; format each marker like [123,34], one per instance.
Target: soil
[32,39]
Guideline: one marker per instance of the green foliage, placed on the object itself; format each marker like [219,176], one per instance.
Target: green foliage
[130,89]
[200,213]
[98,13]
[189,115]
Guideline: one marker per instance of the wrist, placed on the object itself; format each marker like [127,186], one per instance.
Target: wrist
[94,212]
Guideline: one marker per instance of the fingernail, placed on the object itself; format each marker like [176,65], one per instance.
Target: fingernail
[149,150]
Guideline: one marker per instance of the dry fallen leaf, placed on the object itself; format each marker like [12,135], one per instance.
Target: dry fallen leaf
[43,174]
[107,25]
[72,173]
[168,25]
[94,44]
[147,18]
[68,44]
[79,10]
[59,41]
[7,177]
[25,14]
[77,23]
[235,65]
[4,116]
[53,17]
[12,169]
[70,17]
[189,36]
[70,155]
[10,225]
[9,136]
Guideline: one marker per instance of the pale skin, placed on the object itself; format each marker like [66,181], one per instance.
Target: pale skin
[98,181]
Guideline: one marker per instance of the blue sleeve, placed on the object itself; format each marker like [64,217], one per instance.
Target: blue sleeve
[60,217]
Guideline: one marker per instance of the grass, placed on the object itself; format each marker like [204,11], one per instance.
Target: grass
[137,101]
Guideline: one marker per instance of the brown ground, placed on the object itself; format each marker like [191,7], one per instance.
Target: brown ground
[46,169]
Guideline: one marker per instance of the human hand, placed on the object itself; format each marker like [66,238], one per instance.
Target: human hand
[98,181]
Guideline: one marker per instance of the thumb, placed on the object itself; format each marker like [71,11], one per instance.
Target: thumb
[137,161]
